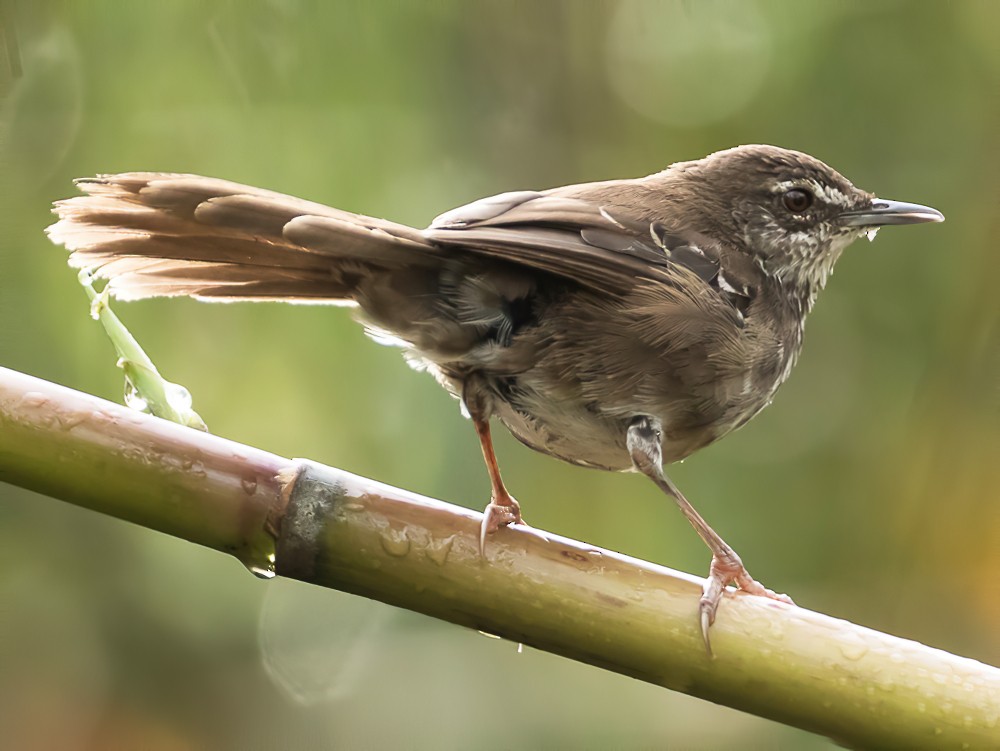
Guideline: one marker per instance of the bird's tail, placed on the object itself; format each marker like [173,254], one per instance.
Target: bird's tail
[155,234]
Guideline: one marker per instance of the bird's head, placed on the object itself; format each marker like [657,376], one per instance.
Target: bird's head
[794,213]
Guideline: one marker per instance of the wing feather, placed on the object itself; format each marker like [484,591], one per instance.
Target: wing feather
[582,240]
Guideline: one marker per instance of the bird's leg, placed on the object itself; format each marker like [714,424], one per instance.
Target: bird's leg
[644,446]
[503,509]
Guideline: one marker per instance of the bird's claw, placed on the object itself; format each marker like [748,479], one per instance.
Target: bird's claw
[495,516]
[725,569]
[707,613]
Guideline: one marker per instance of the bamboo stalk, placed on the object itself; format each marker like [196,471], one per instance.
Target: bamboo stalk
[329,527]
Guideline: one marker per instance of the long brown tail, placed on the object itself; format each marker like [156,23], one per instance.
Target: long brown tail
[156,234]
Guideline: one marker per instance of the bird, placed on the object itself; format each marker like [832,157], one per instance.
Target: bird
[620,325]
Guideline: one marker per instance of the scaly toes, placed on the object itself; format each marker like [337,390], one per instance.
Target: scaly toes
[723,571]
[750,585]
[495,516]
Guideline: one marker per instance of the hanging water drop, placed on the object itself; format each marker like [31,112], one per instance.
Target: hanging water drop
[265,571]
[134,399]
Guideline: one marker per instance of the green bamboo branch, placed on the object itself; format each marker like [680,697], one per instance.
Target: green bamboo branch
[145,389]
[329,527]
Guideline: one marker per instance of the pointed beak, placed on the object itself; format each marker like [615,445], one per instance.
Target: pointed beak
[883,212]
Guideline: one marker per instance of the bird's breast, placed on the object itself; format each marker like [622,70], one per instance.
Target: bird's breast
[597,366]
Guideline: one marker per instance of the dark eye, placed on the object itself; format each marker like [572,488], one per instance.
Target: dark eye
[797,200]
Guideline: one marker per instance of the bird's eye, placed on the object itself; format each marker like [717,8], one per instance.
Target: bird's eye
[797,200]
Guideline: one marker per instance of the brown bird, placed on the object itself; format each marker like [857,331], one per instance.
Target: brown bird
[619,325]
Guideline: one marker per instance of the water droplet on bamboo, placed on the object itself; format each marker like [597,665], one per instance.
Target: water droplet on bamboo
[395,542]
[438,550]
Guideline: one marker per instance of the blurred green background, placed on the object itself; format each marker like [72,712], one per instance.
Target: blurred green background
[868,490]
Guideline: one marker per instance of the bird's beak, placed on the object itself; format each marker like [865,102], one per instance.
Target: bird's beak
[883,212]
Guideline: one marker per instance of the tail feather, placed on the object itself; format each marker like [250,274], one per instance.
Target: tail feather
[157,234]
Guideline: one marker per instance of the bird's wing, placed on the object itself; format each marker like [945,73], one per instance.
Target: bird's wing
[567,237]
[598,244]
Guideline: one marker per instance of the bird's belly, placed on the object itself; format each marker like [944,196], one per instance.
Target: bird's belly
[540,414]
[581,434]
[571,433]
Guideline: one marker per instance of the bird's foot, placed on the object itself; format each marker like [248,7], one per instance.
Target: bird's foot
[726,569]
[498,514]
